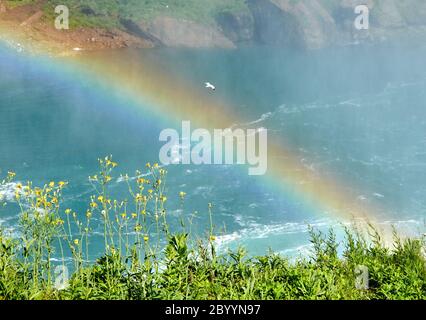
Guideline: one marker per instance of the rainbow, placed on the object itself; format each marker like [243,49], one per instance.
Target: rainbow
[172,98]
[154,90]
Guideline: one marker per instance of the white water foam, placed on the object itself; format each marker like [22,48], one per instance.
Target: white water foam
[261,231]
[404,228]
[7,191]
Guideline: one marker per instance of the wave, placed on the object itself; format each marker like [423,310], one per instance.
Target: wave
[254,231]
[7,191]
[262,118]
[303,250]
[352,102]
[143,175]
[263,231]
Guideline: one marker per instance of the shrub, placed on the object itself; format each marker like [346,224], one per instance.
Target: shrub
[136,265]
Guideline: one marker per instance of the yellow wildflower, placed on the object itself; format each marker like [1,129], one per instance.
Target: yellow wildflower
[37,192]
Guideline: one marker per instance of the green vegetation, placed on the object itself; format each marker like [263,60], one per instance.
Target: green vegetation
[108,13]
[138,264]
[16,3]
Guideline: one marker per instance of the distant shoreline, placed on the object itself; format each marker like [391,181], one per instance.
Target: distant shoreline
[42,38]
[229,24]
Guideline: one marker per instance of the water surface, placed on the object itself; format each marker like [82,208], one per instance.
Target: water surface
[356,113]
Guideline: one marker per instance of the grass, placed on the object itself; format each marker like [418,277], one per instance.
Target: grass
[143,259]
[108,13]
[16,3]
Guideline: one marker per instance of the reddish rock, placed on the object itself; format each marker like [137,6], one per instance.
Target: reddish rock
[2,7]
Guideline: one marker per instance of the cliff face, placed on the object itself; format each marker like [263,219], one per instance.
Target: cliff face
[310,24]
[319,23]
[274,26]
[2,7]
[172,32]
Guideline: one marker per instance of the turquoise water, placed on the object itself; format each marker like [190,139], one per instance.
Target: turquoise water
[357,113]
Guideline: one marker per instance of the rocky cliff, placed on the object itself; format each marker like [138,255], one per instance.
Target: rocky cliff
[320,23]
[309,24]
[303,23]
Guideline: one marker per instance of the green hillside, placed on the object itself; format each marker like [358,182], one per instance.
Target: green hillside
[107,13]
